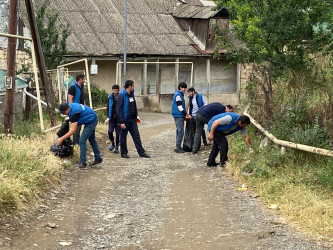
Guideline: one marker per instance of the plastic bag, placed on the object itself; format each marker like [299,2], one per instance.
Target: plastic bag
[66,148]
[189,135]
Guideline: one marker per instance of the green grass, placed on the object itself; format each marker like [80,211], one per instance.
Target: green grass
[27,169]
[300,183]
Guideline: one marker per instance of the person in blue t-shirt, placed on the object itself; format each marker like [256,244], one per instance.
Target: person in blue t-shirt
[80,114]
[76,95]
[221,126]
[203,116]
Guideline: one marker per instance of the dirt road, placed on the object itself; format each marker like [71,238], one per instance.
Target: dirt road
[171,201]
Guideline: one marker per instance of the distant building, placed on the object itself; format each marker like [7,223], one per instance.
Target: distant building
[158,31]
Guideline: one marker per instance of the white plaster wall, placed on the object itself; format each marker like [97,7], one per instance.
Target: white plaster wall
[222,89]
[200,76]
[223,79]
[168,84]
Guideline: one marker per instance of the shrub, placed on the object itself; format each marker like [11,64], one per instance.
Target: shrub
[99,97]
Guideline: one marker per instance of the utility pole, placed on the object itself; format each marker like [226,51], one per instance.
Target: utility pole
[11,63]
[48,91]
[125,40]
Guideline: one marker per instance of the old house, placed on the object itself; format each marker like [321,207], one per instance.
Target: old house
[168,41]
[158,31]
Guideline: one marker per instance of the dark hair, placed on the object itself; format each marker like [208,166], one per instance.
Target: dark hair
[128,83]
[115,87]
[182,85]
[79,77]
[244,119]
[191,89]
[230,107]
[63,107]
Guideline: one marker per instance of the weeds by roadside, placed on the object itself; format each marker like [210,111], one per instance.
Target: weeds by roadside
[27,168]
[300,184]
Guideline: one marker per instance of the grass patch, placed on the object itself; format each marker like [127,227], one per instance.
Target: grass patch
[27,169]
[27,166]
[301,184]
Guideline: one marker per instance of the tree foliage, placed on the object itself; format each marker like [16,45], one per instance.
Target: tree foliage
[52,35]
[275,35]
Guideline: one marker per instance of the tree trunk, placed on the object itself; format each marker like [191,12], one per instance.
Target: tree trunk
[11,67]
[27,110]
[269,95]
[48,91]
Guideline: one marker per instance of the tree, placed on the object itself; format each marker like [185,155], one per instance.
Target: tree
[53,36]
[275,35]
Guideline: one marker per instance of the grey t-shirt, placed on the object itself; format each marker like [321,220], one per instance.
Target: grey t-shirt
[226,120]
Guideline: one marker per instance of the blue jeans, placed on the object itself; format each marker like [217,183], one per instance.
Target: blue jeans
[179,121]
[89,134]
[131,127]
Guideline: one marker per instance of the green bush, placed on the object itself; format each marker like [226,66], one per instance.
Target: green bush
[315,136]
[101,115]
[99,97]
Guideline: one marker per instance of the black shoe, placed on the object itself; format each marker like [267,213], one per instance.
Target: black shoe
[125,156]
[80,165]
[214,164]
[179,150]
[222,165]
[194,152]
[96,162]
[145,155]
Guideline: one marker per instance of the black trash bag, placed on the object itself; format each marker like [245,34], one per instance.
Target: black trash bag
[66,148]
[189,135]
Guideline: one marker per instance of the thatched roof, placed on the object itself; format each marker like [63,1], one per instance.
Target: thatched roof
[97,27]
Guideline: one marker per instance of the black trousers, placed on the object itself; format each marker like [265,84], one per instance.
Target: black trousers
[131,127]
[76,135]
[220,145]
[200,122]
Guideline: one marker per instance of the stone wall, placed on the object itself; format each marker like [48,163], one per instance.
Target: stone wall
[245,71]
[22,58]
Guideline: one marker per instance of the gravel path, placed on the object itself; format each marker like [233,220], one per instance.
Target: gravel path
[171,201]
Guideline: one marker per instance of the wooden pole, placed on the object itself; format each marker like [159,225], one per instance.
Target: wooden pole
[48,92]
[11,66]
[288,144]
